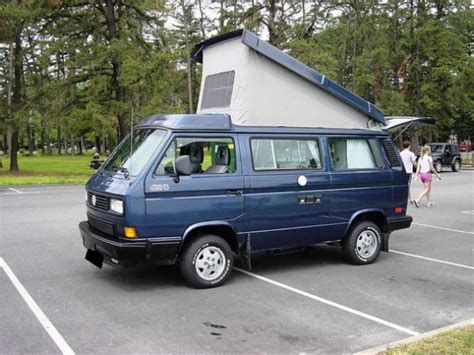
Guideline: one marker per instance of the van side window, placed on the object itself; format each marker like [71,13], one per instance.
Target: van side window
[285,154]
[351,153]
[207,155]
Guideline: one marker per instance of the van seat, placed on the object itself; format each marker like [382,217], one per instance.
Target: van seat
[222,162]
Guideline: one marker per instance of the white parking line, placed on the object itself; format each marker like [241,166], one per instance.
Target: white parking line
[330,303]
[17,191]
[45,322]
[431,259]
[443,228]
[22,193]
[468,212]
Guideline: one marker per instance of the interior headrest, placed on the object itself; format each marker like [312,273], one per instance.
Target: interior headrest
[196,154]
[223,156]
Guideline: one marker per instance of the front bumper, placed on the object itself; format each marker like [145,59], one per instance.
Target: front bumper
[402,222]
[118,252]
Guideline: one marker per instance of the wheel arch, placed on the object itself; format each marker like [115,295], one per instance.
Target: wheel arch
[376,216]
[456,158]
[221,229]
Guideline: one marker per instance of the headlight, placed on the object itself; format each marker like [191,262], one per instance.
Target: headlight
[116,205]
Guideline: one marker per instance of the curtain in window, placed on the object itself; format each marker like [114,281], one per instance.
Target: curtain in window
[359,154]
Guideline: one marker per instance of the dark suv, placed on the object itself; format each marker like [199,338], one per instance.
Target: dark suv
[445,154]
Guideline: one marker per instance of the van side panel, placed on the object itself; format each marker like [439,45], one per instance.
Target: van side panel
[355,190]
[275,215]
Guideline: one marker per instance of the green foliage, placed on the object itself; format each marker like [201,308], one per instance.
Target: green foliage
[87,65]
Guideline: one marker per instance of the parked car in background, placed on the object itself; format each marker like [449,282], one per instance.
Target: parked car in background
[445,154]
[465,146]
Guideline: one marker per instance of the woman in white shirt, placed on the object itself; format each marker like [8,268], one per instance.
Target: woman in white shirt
[423,171]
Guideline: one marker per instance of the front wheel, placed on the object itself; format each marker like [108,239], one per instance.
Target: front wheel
[363,244]
[456,166]
[207,262]
[438,165]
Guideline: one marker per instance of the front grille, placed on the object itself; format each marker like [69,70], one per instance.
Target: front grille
[391,152]
[100,225]
[101,202]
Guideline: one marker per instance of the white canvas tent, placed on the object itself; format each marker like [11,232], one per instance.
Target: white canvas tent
[259,85]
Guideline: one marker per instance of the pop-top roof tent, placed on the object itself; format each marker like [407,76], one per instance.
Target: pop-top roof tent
[259,85]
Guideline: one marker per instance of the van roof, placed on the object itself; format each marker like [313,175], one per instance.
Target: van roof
[222,122]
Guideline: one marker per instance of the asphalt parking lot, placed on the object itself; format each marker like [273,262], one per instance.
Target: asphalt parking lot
[52,300]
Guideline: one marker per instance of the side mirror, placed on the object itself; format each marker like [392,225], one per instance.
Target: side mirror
[182,166]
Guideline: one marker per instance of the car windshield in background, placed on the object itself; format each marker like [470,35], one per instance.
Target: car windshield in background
[437,148]
[131,158]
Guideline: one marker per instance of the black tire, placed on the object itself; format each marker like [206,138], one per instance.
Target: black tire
[456,166]
[438,165]
[211,245]
[353,253]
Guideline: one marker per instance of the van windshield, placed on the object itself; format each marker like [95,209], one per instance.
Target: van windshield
[131,155]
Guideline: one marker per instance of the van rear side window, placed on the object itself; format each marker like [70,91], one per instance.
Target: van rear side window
[285,154]
[351,153]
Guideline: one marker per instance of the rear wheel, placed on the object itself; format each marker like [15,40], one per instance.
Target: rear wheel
[438,165]
[363,244]
[456,165]
[207,262]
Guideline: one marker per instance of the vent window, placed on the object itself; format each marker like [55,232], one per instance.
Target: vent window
[218,90]
[392,154]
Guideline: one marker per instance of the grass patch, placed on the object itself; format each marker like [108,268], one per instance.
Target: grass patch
[43,169]
[459,341]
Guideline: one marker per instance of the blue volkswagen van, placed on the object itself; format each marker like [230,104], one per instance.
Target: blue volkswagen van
[199,191]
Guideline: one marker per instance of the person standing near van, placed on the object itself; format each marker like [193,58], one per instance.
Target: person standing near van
[423,171]
[409,162]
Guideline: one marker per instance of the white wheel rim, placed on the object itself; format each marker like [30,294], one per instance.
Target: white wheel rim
[456,165]
[366,244]
[210,263]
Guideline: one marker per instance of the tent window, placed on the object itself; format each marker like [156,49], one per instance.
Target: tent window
[218,90]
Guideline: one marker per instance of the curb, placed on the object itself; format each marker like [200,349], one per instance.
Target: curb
[380,348]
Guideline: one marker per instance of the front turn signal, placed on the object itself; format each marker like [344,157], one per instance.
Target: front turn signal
[130,232]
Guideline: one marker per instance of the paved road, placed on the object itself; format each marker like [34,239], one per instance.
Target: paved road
[305,302]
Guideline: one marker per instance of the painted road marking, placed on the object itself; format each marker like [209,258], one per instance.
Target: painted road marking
[330,303]
[443,228]
[468,212]
[22,193]
[17,191]
[431,259]
[45,322]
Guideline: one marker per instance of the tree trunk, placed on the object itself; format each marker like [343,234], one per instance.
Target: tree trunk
[5,143]
[66,152]
[82,145]
[97,145]
[14,147]
[119,90]
[58,139]
[16,97]
[73,145]
[188,57]
[42,142]
[30,135]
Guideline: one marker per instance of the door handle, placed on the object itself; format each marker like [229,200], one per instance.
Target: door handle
[235,192]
